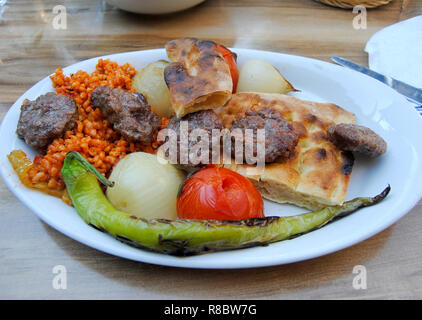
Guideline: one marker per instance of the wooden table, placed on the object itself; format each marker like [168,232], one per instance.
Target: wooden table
[30,49]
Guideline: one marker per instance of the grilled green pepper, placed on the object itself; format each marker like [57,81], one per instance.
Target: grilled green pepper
[187,237]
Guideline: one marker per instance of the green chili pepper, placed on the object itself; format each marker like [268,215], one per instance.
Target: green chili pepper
[187,237]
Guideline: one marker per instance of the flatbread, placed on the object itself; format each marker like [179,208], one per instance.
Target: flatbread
[318,173]
[198,77]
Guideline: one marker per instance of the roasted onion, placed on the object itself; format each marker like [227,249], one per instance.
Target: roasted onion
[145,187]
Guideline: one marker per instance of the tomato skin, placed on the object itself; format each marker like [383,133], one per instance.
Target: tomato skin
[230,58]
[219,194]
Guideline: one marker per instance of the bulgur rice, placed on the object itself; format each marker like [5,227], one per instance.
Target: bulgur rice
[93,135]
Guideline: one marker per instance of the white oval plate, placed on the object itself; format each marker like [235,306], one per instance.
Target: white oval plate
[375,105]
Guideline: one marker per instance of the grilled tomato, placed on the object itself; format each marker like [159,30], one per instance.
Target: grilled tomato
[230,58]
[219,194]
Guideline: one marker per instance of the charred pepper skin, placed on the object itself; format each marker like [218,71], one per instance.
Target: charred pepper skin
[188,237]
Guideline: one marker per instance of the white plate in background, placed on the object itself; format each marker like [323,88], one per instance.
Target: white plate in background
[155,6]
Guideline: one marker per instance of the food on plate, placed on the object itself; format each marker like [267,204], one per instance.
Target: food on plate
[22,164]
[257,75]
[280,137]
[357,138]
[104,126]
[318,174]
[145,187]
[93,135]
[217,193]
[230,58]
[128,112]
[191,154]
[198,76]
[187,237]
[46,118]
[149,81]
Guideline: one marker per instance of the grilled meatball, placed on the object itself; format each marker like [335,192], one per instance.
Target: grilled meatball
[206,120]
[280,137]
[128,112]
[353,137]
[45,119]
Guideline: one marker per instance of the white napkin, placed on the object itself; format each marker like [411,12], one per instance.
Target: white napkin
[396,51]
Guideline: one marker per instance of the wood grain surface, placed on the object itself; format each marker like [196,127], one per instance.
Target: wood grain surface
[30,49]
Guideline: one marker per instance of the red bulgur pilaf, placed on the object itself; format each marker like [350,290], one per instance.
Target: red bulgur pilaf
[93,135]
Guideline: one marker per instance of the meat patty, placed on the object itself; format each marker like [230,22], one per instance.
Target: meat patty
[128,112]
[280,137]
[45,119]
[356,138]
[206,120]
